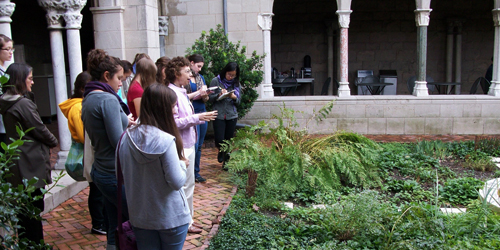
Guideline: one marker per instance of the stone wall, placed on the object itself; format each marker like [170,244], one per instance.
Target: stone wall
[188,18]
[446,114]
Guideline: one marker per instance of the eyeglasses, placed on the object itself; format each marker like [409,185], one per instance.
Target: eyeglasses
[10,50]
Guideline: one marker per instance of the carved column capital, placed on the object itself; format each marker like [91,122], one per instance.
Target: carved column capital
[54,21]
[6,10]
[163,25]
[344,18]
[265,21]
[67,9]
[496,17]
[422,17]
[73,20]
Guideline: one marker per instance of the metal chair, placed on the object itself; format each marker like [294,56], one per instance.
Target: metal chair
[485,85]
[287,82]
[371,79]
[324,90]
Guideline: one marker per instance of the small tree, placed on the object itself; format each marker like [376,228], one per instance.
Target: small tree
[218,51]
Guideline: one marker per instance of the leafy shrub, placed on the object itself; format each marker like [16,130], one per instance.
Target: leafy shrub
[16,200]
[288,161]
[217,51]
[461,190]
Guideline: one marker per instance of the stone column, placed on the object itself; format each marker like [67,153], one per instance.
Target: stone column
[330,44]
[449,52]
[265,21]
[73,25]
[6,10]
[422,21]
[344,19]
[55,12]
[458,58]
[109,33]
[495,83]
[163,32]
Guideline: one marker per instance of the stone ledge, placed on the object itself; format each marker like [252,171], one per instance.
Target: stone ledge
[490,192]
[59,195]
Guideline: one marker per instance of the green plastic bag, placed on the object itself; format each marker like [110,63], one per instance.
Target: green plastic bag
[74,162]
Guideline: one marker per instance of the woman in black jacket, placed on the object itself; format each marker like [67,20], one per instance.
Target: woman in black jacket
[225,123]
[18,109]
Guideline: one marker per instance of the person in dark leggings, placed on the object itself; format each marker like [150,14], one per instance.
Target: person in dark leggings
[225,103]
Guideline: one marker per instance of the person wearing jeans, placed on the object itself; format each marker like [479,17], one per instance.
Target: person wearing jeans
[196,90]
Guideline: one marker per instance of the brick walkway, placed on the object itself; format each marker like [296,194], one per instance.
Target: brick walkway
[68,225]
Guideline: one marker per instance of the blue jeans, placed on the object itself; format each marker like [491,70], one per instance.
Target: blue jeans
[202,131]
[107,184]
[166,239]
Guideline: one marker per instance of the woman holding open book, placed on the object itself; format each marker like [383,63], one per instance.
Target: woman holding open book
[197,92]
[225,103]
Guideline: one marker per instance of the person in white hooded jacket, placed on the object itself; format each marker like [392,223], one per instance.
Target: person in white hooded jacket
[154,171]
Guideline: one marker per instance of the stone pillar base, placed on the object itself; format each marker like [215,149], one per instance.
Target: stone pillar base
[420,89]
[267,90]
[344,90]
[494,89]
[61,159]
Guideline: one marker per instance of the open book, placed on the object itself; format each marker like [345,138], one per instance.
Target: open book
[224,96]
[209,91]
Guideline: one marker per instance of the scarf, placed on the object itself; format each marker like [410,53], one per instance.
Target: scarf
[95,85]
[228,84]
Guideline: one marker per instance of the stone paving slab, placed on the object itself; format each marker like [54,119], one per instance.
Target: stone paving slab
[68,225]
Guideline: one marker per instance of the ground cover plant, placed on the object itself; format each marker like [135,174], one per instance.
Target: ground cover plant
[376,195]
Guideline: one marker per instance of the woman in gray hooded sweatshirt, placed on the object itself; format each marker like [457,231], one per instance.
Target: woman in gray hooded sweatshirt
[154,171]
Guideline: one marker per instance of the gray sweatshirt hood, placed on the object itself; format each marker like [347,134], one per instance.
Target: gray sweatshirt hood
[149,141]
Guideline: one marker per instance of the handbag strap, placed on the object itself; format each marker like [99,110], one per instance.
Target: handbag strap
[119,184]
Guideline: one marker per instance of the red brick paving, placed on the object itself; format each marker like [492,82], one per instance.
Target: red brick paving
[68,225]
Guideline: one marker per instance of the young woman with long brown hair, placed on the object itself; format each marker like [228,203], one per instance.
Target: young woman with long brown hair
[154,172]
[145,76]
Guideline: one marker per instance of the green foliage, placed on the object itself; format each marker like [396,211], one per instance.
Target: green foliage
[217,51]
[461,190]
[490,146]
[16,200]
[357,221]
[480,161]
[436,148]
[462,149]
[289,162]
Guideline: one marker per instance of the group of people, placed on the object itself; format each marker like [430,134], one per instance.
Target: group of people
[152,123]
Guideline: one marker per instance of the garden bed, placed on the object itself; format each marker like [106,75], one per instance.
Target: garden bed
[375,195]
